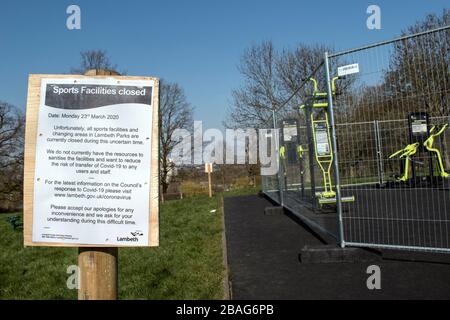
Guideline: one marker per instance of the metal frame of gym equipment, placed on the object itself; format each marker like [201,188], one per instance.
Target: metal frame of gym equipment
[319,137]
[421,141]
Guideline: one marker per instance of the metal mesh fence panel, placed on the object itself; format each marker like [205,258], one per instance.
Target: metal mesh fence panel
[270,182]
[387,129]
[392,140]
[301,176]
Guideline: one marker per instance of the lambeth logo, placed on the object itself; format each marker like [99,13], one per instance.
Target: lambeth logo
[134,237]
[127,239]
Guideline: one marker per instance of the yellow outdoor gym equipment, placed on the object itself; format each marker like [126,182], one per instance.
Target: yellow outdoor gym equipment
[324,157]
[322,145]
[411,149]
[283,163]
[300,153]
[405,153]
[428,144]
[283,158]
[282,152]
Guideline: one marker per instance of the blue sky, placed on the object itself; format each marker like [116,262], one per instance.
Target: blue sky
[195,43]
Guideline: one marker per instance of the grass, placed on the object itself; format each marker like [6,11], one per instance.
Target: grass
[187,265]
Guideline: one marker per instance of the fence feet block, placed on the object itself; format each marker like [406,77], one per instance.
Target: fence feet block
[415,256]
[335,254]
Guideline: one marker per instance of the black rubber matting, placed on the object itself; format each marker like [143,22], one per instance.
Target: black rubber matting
[411,217]
[263,263]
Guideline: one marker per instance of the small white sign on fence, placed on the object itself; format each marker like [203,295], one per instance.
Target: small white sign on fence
[348,69]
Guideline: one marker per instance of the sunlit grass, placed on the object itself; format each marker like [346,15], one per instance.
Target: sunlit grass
[187,265]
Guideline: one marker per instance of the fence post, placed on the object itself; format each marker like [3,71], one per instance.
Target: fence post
[379,151]
[334,150]
[98,276]
[277,147]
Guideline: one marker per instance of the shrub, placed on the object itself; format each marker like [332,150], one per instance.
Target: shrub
[191,188]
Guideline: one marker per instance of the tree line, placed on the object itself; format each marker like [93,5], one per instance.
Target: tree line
[271,80]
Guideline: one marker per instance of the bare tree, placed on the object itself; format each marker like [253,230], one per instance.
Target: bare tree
[430,56]
[94,60]
[296,66]
[253,103]
[11,155]
[270,79]
[175,113]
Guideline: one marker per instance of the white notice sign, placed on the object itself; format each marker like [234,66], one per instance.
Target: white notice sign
[348,69]
[92,171]
[290,133]
[322,139]
[323,148]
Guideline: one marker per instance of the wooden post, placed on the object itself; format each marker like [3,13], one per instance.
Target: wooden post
[98,274]
[209,183]
[208,170]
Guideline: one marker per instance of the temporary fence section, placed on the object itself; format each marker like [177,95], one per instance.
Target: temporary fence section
[271,180]
[364,155]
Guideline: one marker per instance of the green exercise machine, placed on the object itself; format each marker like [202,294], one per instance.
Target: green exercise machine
[428,144]
[405,153]
[421,142]
[316,109]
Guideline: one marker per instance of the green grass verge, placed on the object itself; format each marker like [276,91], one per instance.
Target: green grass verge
[187,265]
